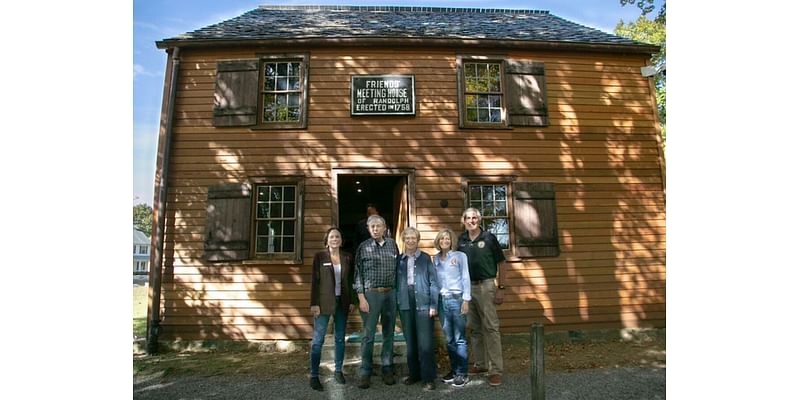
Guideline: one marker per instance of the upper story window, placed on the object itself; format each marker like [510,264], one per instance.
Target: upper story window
[483,93]
[265,93]
[143,249]
[498,92]
[282,91]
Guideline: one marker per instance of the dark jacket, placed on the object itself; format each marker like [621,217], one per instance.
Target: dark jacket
[426,283]
[323,282]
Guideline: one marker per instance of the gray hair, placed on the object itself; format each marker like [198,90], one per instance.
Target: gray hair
[375,218]
[473,209]
[410,231]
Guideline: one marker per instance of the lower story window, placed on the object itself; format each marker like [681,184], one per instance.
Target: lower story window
[492,201]
[276,219]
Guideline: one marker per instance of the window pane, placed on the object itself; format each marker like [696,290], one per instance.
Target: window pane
[488,193]
[500,192]
[269,83]
[294,100]
[294,83]
[281,84]
[294,114]
[288,193]
[263,228]
[494,115]
[472,115]
[288,244]
[265,244]
[474,192]
[483,101]
[500,208]
[494,101]
[282,69]
[288,228]
[270,69]
[262,210]
[483,115]
[504,240]
[288,210]
[487,210]
[275,212]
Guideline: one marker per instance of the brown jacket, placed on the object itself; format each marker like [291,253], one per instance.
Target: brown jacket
[323,282]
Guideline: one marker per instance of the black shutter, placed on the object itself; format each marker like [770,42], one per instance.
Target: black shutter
[526,93]
[227,234]
[236,93]
[535,224]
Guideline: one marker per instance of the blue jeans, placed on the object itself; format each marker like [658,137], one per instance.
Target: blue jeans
[454,326]
[320,328]
[383,305]
[418,330]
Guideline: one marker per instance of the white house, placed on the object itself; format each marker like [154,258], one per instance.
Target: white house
[141,253]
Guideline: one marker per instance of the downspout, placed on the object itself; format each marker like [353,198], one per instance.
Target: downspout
[160,201]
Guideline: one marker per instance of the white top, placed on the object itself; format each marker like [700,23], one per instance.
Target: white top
[337,273]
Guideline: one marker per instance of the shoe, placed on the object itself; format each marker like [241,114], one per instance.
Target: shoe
[475,370]
[460,381]
[448,378]
[315,384]
[363,382]
[428,386]
[495,380]
[410,381]
[388,378]
[339,378]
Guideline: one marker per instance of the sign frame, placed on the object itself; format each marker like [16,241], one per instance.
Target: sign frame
[364,78]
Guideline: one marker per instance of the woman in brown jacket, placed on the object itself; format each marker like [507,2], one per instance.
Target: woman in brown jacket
[332,294]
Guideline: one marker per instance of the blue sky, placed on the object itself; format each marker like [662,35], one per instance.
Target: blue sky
[159,19]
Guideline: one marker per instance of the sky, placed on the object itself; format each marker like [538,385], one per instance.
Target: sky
[160,19]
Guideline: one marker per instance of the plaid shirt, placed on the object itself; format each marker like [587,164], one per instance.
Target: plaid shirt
[375,265]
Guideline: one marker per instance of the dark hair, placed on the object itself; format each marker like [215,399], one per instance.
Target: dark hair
[328,232]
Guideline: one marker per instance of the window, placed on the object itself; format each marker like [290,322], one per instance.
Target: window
[522,215]
[142,249]
[281,91]
[483,94]
[264,93]
[276,219]
[258,219]
[500,92]
[492,201]
[140,266]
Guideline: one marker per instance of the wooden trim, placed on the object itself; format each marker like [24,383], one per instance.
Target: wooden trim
[410,43]
[657,125]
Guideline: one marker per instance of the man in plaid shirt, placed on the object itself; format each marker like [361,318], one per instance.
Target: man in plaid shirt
[375,276]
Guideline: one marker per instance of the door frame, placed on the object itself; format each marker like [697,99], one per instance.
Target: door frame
[409,173]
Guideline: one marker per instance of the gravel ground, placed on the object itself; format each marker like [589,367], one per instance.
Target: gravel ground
[615,383]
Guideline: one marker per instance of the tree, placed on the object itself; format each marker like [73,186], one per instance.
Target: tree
[652,32]
[143,218]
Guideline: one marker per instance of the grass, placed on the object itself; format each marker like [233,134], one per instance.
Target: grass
[139,311]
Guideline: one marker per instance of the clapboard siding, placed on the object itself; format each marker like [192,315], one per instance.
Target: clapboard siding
[600,150]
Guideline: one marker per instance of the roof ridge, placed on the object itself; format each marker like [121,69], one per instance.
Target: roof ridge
[401,8]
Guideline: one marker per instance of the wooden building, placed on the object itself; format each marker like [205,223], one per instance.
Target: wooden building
[287,120]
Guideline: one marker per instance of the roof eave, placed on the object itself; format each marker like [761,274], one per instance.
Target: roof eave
[412,42]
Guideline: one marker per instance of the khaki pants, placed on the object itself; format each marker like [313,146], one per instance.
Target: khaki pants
[485,328]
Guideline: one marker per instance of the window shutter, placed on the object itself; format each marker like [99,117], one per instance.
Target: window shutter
[227,235]
[535,224]
[236,93]
[526,99]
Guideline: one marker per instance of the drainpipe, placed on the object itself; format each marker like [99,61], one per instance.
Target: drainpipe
[160,201]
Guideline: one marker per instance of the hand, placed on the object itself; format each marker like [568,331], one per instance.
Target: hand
[432,313]
[352,307]
[315,311]
[364,307]
[498,296]
[464,307]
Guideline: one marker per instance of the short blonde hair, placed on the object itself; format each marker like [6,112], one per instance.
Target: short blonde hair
[446,231]
[410,230]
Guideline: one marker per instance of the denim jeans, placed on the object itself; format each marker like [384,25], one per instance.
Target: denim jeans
[454,326]
[320,328]
[383,305]
[418,331]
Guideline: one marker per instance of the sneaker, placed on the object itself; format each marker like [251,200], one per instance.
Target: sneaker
[410,381]
[460,381]
[339,378]
[315,384]
[495,380]
[448,378]
[388,378]
[475,370]
[428,386]
[363,382]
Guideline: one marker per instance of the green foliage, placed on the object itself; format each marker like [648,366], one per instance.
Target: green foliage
[143,218]
[651,32]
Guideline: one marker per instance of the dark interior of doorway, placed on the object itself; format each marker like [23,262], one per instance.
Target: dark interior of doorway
[355,192]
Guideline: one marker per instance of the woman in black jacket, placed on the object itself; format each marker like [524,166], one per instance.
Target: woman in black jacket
[332,294]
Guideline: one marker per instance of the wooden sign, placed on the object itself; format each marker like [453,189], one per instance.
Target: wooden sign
[382,95]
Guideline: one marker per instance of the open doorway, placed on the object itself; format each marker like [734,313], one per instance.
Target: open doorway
[386,189]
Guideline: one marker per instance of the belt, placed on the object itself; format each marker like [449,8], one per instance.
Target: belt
[479,281]
[380,289]
[451,295]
